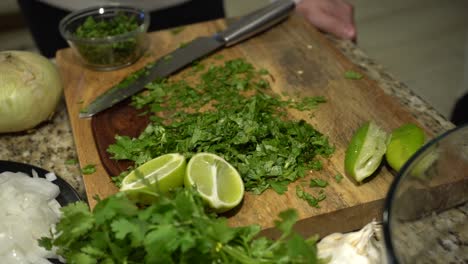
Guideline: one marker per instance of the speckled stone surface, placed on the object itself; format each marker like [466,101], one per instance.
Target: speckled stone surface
[48,146]
[438,238]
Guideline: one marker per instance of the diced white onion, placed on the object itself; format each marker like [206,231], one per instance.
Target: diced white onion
[50,176]
[28,211]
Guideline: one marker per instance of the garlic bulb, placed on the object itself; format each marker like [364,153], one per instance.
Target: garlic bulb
[360,247]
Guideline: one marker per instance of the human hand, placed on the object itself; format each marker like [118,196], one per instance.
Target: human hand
[332,16]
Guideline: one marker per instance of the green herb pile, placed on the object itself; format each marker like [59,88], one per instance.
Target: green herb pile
[230,111]
[112,52]
[176,229]
[117,25]
[309,198]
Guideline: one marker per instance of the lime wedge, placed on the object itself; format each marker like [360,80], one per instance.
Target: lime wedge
[217,181]
[365,151]
[404,142]
[421,167]
[162,174]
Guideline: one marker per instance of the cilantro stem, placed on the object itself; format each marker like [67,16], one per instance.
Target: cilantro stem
[239,255]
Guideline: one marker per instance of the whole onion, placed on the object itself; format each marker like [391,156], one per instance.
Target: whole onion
[30,89]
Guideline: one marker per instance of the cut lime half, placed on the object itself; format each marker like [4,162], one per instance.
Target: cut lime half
[160,174]
[217,181]
[404,142]
[365,151]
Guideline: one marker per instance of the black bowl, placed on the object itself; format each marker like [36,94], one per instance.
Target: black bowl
[67,193]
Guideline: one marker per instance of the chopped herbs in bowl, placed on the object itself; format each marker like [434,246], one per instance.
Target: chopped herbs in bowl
[107,37]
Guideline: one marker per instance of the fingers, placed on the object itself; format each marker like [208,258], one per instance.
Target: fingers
[332,16]
[344,16]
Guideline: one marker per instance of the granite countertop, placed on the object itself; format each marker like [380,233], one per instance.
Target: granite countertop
[436,238]
[48,146]
[51,144]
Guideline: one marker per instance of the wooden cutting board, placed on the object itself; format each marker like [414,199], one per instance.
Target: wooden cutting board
[301,60]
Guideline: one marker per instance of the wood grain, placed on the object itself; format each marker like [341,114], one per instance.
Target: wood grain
[302,62]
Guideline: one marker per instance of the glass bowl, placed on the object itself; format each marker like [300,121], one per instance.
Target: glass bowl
[426,211]
[107,37]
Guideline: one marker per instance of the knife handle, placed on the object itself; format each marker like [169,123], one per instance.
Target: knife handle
[257,21]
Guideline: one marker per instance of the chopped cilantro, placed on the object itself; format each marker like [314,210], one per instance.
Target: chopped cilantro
[88,169]
[338,177]
[263,72]
[353,75]
[71,162]
[96,198]
[133,77]
[280,187]
[122,50]
[99,28]
[318,183]
[309,198]
[310,103]
[254,133]
[197,67]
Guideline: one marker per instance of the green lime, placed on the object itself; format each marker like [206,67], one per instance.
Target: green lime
[404,142]
[365,151]
[217,181]
[162,174]
[421,166]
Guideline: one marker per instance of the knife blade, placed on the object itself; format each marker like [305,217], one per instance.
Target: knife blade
[240,30]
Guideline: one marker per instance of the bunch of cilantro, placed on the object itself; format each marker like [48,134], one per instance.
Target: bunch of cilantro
[228,110]
[176,229]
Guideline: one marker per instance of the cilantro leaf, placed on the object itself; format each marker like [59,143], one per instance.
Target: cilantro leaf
[108,209]
[279,187]
[88,169]
[163,236]
[287,220]
[94,252]
[309,198]
[124,227]
[338,177]
[353,75]
[77,220]
[82,258]
[318,183]
[45,242]
[71,162]
[301,250]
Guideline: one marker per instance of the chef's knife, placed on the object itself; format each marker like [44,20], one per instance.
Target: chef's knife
[242,29]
